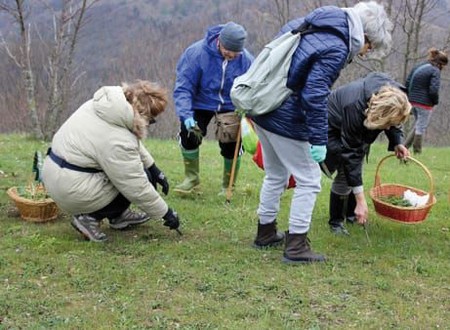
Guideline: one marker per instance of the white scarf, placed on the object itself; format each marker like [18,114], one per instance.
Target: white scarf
[355,31]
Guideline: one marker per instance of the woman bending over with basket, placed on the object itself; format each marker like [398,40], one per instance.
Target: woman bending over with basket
[357,113]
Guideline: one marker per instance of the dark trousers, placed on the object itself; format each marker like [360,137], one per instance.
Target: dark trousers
[189,141]
[113,209]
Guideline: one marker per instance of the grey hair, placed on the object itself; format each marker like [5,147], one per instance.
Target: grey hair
[376,25]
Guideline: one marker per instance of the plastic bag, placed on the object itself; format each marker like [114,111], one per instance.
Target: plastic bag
[258,159]
[415,199]
[248,136]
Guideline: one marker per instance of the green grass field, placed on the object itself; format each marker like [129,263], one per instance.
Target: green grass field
[397,277]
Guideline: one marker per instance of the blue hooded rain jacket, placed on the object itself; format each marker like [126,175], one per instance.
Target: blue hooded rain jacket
[204,77]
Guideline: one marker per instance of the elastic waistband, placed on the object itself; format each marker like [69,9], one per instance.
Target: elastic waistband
[422,106]
[64,164]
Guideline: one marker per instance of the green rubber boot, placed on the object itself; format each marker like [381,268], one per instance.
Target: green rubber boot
[191,172]
[227,166]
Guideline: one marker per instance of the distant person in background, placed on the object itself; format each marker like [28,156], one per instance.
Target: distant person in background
[294,136]
[423,85]
[205,74]
[357,113]
[97,165]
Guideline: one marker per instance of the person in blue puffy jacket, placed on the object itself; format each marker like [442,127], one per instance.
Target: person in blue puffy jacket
[294,136]
[423,83]
[204,76]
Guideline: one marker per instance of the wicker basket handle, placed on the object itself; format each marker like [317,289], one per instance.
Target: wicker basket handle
[427,172]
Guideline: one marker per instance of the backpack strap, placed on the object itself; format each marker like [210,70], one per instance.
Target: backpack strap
[306,28]
[302,28]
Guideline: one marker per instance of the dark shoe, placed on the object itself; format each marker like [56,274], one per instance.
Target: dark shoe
[268,236]
[89,227]
[337,208]
[351,220]
[128,218]
[339,229]
[298,250]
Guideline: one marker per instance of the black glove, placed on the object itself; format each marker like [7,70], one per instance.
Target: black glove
[155,176]
[171,219]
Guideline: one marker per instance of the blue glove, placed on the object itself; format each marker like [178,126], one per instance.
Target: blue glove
[318,153]
[189,123]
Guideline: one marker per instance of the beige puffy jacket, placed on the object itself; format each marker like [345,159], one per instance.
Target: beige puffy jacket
[99,135]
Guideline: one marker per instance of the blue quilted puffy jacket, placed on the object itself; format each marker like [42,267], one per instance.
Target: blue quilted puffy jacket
[424,89]
[315,66]
[203,81]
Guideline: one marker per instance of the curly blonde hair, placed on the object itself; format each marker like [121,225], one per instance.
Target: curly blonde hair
[148,100]
[389,107]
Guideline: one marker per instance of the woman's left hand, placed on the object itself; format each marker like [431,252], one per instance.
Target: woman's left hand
[401,151]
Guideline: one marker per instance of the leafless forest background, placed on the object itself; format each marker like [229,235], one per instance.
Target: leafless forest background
[54,54]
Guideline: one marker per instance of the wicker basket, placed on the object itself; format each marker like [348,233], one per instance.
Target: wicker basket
[34,211]
[403,214]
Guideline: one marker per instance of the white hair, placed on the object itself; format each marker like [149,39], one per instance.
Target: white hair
[376,25]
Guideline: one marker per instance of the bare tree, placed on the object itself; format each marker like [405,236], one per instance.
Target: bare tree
[22,58]
[59,60]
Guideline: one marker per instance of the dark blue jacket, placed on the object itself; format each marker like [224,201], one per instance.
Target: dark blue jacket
[424,88]
[348,139]
[201,82]
[315,66]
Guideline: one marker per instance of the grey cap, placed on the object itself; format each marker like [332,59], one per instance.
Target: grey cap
[232,37]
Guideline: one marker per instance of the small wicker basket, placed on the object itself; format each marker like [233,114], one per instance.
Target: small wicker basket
[403,214]
[34,210]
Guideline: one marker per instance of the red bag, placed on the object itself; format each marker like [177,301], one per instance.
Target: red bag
[258,159]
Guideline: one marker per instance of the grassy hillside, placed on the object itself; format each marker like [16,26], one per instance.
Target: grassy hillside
[211,277]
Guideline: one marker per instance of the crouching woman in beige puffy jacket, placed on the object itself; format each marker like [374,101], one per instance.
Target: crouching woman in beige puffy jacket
[97,165]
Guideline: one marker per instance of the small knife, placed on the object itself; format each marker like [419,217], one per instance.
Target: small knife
[325,170]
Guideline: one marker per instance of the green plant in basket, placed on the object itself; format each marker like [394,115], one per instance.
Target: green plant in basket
[395,200]
[35,189]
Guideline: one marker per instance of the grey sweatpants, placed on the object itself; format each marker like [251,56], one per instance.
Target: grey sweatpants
[423,117]
[283,157]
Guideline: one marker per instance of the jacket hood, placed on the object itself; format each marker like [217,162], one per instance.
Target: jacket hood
[375,80]
[210,41]
[110,104]
[329,17]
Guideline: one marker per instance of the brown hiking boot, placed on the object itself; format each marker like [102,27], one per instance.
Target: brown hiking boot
[297,250]
[268,236]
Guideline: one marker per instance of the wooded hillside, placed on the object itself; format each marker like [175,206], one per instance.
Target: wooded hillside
[121,40]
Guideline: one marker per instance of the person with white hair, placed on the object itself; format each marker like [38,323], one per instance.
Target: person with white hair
[294,136]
